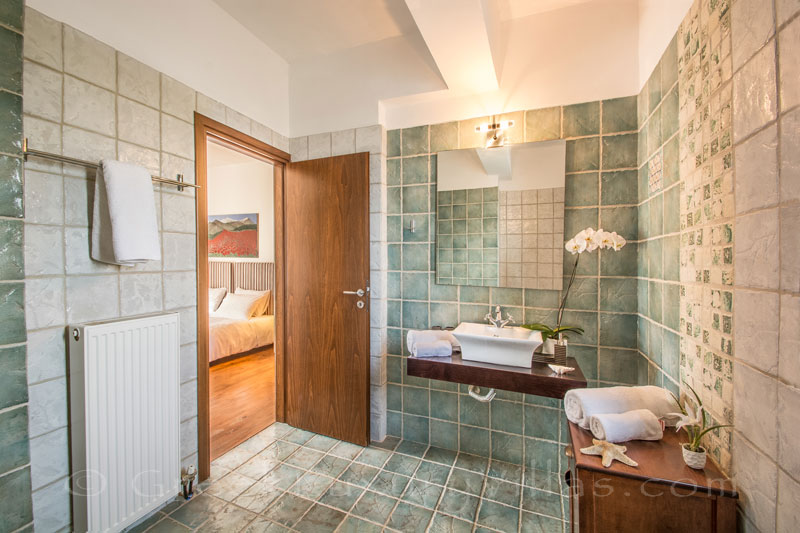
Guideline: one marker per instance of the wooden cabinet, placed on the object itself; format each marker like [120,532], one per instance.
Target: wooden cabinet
[662,494]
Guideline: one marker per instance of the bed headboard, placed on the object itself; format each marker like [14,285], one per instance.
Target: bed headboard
[257,276]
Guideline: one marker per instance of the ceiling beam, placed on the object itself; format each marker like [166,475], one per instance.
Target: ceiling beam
[457,38]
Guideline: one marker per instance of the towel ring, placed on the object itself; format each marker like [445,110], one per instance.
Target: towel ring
[474,391]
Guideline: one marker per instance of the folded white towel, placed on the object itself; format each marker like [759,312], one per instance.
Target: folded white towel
[640,424]
[430,343]
[580,404]
[124,224]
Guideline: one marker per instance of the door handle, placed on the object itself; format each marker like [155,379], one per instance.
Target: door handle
[359,292]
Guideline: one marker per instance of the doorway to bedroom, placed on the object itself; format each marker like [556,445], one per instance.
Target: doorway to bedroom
[241,266]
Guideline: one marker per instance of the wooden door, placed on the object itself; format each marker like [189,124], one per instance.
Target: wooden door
[327,331]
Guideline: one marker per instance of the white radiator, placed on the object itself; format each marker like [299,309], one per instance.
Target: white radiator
[125,419]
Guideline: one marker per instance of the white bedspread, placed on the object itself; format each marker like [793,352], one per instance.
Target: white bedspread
[228,336]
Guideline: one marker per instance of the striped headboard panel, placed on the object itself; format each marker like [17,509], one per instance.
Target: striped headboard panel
[256,276]
[220,274]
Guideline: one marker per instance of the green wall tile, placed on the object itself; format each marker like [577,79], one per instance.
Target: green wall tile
[618,330]
[393,143]
[641,297]
[473,413]
[507,448]
[654,88]
[576,220]
[444,405]
[619,114]
[583,294]
[415,199]
[619,294]
[11,186]
[542,455]
[619,187]
[541,422]
[619,263]
[583,154]
[507,296]
[444,137]
[444,435]
[586,357]
[444,315]
[416,401]
[415,315]
[15,500]
[642,153]
[671,305]
[669,114]
[656,211]
[416,170]
[655,335]
[671,162]
[582,119]
[654,139]
[14,437]
[474,295]
[12,313]
[394,314]
[672,210]
[10,59]
[580,190]
[415,140]
[394,256]
[394,397]
[623,220]
[671,253]
[420,233]
[13,377]
[644,221]
[669,65]
[654,259]
[671,354]
[394,423]
[619,366]
[474,440]
[620,151]
[12,13]
[654,297]
[506,416]
[10,121]
[393,172]
[11,258]
[444,293]
[543,124]
[394,200]
[415,286]
[473,312]
[415,428]
[584,319]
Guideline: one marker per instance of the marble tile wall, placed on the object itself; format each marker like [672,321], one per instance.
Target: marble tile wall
[370,139]
[601,186]
[86,100]
[765,125]
[16,509]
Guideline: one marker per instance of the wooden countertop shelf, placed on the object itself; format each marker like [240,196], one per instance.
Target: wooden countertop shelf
[539,380]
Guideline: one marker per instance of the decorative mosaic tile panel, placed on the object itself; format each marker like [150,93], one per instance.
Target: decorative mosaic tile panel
[706,203]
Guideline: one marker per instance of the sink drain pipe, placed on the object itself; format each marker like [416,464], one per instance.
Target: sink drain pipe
[474,391]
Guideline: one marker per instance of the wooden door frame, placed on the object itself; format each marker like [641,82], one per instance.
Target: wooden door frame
[205,128]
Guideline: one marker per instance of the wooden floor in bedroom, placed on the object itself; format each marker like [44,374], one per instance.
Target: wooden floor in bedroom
[242,398]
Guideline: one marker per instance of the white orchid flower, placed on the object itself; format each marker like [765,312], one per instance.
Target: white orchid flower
[606,239]
[588,236]
[690,419]
[574,246]
[618,241]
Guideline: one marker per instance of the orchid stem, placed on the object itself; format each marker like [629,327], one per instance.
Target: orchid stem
[566,293]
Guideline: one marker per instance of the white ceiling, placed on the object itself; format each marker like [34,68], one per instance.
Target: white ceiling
[312,66]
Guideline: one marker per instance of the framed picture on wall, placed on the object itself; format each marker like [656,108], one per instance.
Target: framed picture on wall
[233,235]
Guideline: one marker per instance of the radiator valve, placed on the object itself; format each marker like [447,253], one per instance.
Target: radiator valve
[187,481]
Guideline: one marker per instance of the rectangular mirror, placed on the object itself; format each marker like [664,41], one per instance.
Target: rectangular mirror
[500,216]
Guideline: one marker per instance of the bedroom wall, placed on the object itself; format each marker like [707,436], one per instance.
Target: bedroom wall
[245,188]
[84,99]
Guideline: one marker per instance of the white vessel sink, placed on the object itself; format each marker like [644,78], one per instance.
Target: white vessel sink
[511,346]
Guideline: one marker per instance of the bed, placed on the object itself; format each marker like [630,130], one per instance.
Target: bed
[229,338]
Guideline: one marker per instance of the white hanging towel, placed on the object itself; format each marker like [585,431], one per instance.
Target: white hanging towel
[124,224]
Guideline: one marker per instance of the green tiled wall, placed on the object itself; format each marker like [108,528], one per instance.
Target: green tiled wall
[601,184]
[15,479]
[659,225]
[468,239]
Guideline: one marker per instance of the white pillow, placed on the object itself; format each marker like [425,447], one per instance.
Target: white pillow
[238,306]
[215,297]
[265,296]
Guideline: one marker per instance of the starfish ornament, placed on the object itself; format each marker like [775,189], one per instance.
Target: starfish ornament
[609,452]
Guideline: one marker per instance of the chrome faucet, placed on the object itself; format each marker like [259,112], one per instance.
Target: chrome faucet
[497,320]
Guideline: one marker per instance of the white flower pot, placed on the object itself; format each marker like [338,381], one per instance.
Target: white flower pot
[549,347]
[696,460]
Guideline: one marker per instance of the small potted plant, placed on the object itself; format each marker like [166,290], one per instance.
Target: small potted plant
[588,240]
[696,425]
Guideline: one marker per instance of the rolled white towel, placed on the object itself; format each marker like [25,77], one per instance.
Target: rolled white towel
[433,349]
[580,404]
[640,424]
[427,343]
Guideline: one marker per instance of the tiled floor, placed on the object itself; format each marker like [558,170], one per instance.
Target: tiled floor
[286,479]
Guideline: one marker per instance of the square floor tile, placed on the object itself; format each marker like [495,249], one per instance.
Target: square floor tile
[288,509]
[432,472]
[330,465]
[320,519]
[341,495]
[409,518]
[499,517]
[358,474]
[466,481]
[422,493]
[311,485]
[460,505]
[401,464]
[374,507]
[389,483]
